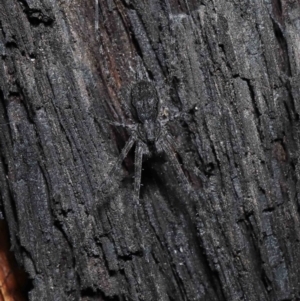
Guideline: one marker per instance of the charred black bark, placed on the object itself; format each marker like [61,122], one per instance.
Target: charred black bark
[233,68]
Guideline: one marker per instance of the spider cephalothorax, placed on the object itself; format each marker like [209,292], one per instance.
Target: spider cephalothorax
[149,134]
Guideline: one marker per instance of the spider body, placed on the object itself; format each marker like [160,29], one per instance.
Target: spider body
[149,134]
[145,100]
[146,104]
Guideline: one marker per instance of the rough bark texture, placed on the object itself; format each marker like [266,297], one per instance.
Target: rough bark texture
[234,67]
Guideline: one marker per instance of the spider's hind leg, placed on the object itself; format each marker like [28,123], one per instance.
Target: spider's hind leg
[122,156]
[124,125]
[139,150]
[174,161]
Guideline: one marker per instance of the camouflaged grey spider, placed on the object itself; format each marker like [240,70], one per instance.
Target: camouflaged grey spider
[149,135]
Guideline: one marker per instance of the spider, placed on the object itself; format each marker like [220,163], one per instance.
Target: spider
[149,134]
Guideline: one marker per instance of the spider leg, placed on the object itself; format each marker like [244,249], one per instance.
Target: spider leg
[165,116]
[167,147]
[130,126]
[139,150]
[121,157]
[181,176]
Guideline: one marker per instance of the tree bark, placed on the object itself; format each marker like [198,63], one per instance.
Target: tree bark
[233,68]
